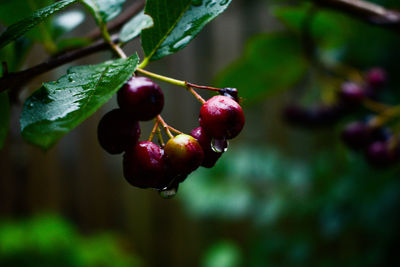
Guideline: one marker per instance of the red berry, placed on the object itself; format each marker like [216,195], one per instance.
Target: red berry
[144,167]
[184,153]
[117,130]
[210,156]
[221,117]
[141,97]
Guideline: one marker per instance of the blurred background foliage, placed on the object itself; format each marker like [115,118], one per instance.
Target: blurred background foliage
[280,196]
[49,240]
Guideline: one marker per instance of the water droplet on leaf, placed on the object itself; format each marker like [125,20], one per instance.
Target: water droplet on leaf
[211,3]
[182,42]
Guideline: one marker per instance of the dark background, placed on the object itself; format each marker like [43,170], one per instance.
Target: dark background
[280,196]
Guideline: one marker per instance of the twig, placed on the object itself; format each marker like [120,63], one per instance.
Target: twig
[364,10]
[16,80]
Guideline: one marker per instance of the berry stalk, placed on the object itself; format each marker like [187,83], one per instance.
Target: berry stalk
[174,130]
[196,95]
[161,77]
[375,106]
[160,138]
[153,131]
[165,126]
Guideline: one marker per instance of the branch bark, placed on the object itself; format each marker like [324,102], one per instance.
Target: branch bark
[16,80]
[366,11]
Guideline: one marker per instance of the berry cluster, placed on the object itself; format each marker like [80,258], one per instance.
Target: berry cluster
[164,166]
[380,146]
[349,97]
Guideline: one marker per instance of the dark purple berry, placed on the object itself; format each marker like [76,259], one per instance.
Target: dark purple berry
[351,92]
[376,77]
[318,116]
[230,92]
[184,154]
[117,130]
[356,135]
[143,166]
[379,154]
[221,117]
[141,97]
[380,134]
[210,156]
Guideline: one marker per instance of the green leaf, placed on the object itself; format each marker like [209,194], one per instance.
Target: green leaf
[4,117]
[104,10]
[24,9]
[21,27]
[329,29]
[223,253]
[135,26]
[176,23]
[271,63]
[58,107]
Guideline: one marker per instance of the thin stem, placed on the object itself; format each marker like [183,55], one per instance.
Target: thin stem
[165,126]
[115,47]
[174,130]
[386,116]
[144,63]
[153,131]
[161,77]
[367,11]
[196,95]
[375,106]
[185,84]
[202,87]
[159,137]
[118,50]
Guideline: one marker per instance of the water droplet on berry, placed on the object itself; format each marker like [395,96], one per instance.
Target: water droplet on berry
[168,192]
[219,145]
